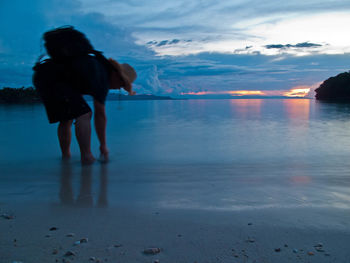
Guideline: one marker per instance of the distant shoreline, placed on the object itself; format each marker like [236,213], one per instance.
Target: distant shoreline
[30,96]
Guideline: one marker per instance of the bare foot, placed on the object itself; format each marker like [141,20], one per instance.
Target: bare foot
[104,156]
[88,159]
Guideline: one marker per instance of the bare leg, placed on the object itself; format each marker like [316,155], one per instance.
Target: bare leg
[83,134]
[64,133]
[100,126]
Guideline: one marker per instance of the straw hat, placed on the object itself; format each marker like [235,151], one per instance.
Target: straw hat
[125,72]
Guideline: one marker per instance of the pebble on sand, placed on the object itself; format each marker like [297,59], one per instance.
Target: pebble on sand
[319,247]
[70,235]
[53,228]
[6,216]
[117,245]
[69,253]
[83,240]
[277,250]
[251,240]
[151,251]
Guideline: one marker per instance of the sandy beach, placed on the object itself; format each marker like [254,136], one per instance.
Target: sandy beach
[122,234]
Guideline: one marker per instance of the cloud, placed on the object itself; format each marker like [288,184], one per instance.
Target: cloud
[229,26]
[299,45]
[163,42]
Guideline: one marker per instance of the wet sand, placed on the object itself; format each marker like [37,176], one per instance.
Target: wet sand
[121,234]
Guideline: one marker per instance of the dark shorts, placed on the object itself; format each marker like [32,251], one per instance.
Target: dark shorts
[91,77]
[62,85]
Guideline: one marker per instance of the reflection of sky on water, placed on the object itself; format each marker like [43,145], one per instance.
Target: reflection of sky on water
[222,154]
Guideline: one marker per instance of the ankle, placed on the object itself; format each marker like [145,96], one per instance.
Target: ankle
[66,155]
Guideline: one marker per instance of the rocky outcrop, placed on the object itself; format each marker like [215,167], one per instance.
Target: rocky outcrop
[335,88]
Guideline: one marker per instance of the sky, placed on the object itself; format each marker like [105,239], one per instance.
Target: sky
[191,48]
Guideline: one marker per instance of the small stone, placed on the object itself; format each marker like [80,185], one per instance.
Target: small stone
[285,245]
[117,245]
[295,250]
[251,240]
[77,243]
[277,250]
[84,240]
[151,251]
[69,253]
[70,235]
[236,256]
[53,229]
[250,224]
[54,251]
[92,258]
[179,235]
[8,217]
[319,249]
[310,253]
[156,261]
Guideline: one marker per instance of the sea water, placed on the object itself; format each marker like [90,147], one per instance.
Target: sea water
[203,154]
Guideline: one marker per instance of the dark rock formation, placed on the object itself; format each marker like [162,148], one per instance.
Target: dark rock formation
[335,88]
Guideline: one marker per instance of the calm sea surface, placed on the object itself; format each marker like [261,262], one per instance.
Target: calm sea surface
[206,154]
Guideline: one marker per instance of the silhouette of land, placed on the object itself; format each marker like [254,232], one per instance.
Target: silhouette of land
[19,95]
[335,88]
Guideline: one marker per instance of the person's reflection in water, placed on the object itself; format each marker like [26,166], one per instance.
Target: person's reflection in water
[85,196]
[66,191]
[102,196]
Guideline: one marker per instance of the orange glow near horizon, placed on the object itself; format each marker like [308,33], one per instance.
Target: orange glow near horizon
[246,92]
[229,92]
[295,92]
